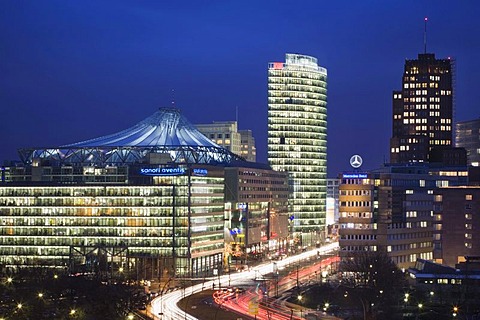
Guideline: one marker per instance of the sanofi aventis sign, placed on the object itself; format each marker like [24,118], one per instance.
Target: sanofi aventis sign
[162,171]
[169,171]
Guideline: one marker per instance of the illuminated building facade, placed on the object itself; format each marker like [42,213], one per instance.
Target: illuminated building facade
[248,148]
[467,135]
[332,200]
[391,210]
[297,139]
[169,215]
[223,133]
[148,200]
[257,213]
[422,110]
[456,221]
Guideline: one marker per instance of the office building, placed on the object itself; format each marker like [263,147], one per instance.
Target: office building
[297,139]
[248,150]
[149,200]
[422,109]
[448,283]
[467,135]
[256,213]
[391,209]
[223,133]
[456,221]
[333,212]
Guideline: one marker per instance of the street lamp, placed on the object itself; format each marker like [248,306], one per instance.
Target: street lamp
[300,297]
[9,280]
[455,311]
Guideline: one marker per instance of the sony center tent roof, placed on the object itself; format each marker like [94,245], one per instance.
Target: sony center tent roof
[167,131]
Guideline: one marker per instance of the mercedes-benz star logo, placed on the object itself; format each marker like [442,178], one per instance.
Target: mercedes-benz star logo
[356,161]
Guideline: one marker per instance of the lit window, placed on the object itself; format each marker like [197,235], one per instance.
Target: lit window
[468,197]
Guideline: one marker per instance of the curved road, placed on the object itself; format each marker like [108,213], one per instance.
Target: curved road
[165,307]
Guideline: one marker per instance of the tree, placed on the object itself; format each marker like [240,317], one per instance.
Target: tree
[374,279]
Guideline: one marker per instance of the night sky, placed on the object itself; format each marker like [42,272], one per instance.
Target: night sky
[75,70]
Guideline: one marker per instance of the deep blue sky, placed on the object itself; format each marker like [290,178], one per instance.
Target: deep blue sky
[74,70]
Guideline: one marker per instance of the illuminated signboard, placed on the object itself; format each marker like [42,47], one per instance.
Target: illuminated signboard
[356,161]
[200,172]
[354,175]
[162,171]
[278,65]
[235,231]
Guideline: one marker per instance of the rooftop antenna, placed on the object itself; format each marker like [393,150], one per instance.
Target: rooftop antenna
[173,97]
[425,36]
[236,114]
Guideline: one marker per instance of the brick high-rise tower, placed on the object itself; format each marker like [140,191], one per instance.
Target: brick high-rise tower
[422,110]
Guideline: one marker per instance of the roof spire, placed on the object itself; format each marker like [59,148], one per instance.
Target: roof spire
[425,36]
[173,97]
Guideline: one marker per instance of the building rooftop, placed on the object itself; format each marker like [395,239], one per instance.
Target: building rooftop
[166,131]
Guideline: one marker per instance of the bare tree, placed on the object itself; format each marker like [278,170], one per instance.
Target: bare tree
[373,278]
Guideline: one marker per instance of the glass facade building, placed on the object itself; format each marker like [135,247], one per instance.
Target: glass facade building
[297,138]
[173,216]
[149,202]
[467,135]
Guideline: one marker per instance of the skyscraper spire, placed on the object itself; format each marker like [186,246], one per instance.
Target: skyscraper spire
[425,36]
[173,97]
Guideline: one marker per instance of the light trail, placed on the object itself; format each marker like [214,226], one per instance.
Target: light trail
[165,306]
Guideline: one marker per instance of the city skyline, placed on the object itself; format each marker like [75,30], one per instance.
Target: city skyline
[74,71]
